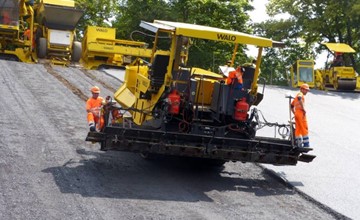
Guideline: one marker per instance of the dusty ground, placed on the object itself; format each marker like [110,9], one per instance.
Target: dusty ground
[48,171]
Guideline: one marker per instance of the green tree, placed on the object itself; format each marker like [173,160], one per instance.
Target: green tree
[276,62]
[320,21]
[131,12]
[231,15]
[96,13]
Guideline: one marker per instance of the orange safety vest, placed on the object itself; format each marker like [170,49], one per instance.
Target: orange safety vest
[237,74]
[27,34]
[92,103]
[296,102]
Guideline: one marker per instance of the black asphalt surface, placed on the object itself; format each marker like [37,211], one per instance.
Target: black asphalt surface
[48,171]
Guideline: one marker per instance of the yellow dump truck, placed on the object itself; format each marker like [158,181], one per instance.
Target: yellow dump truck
[55,35]
[166,107]
[16,30]
[339,73]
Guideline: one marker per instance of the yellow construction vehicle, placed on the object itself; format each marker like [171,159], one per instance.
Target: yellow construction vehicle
[302,71]
[100,48]
[170,108]
[319,81]
[55,35]
[339,73]
[16,30]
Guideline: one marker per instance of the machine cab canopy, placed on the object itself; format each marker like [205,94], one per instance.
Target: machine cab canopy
[339,47]
[208,33]
[341,53]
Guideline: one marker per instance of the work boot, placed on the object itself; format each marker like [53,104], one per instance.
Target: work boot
[299,141]
[306,141]
[92,127]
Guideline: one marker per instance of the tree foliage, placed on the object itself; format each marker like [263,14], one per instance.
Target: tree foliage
[230,15]
[310,22]
[223,14]
[318,21]
[131,12]
[96,13]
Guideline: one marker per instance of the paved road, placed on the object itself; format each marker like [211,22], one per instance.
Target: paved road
[47,171]
[334,119]
[334,122]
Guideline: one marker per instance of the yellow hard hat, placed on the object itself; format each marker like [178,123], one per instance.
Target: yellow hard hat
[95,89]
[305,86]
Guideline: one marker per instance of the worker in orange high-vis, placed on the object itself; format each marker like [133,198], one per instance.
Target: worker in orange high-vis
[301,125]
[235,78]
[27,36]
[93,108]
[5,18]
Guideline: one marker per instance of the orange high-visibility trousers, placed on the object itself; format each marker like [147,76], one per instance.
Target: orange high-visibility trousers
[301,126]
[97,119]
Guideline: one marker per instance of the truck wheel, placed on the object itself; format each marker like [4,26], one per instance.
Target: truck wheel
[76,52]
[42,48]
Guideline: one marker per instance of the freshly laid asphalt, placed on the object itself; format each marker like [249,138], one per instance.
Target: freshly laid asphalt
[48,171]
[333,119]
[334,125]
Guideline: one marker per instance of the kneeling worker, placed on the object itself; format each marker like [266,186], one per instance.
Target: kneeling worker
[93,107]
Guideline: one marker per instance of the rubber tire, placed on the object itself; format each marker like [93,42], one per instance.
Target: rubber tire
[42,48]
[76,51]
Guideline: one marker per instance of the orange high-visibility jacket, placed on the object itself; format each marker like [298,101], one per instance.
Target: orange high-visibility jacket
[94,104]
[296,102]
[237,74]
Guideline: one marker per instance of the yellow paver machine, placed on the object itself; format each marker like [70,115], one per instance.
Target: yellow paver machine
[16,30]
[55,34]
[166,107]
[100,48]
